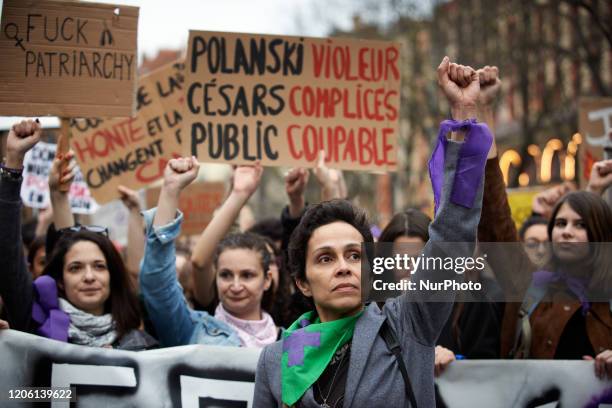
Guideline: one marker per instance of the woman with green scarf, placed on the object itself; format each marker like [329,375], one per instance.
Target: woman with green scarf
[341,354]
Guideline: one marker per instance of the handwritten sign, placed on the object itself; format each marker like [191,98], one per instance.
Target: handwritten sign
[133,151]
[68,59]
[35,186]
[281,100]
[197,202]
[595,124]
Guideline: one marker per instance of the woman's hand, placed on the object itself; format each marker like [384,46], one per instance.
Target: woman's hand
[4,324]
[461,86]
[129,198]
[443,358]
[246,179]
[60,183]
[179,173]
[601,177]
[603,364]
[21,138]
[295,186]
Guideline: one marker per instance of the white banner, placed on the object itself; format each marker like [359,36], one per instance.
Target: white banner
[35,187]
[206,376]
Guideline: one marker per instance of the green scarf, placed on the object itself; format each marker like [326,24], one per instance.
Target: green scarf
[307,350]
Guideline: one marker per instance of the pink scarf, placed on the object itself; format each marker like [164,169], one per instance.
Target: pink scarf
[252,333]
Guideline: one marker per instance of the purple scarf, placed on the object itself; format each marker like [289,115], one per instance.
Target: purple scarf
[471,163]
[52,322]
[576,285]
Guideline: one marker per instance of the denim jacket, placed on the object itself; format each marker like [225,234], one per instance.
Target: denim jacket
[175,323]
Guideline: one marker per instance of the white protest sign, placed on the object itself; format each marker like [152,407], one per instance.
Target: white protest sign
[35,187]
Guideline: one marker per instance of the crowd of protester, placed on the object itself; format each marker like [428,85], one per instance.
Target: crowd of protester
[256,288]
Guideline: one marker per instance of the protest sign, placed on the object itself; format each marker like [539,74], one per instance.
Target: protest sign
[595,126]
[197,202]
[281,100]
[35,186]
[520,201]
[133,151]
[195,376]
[70,59]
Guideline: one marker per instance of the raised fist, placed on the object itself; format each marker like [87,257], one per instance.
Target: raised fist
[461,86]
[246,179]
[179,173]
[21,138]
[490,85]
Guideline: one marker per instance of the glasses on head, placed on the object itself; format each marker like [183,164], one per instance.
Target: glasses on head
[91,228]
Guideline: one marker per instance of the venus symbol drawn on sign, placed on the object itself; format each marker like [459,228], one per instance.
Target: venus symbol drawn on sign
[15,36]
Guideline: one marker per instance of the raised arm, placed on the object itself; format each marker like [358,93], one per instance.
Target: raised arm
[15,280]
[135,235]
[61,174]
[331,180]
[245,181]
[457,172]
[601,177]
[159,287]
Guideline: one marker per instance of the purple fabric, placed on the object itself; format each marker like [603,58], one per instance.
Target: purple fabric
[376,231]
[604,398]
[470,165]
[574,284]
[53,322]
[297,341]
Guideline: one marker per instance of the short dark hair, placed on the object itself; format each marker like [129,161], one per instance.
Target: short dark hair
[409,223]
[317,216]
[268,227]
[122,302]
[530,222]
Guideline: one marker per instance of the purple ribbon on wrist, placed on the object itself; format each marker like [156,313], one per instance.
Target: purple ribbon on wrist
[470,164]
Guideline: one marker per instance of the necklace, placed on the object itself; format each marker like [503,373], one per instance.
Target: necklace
[331,386]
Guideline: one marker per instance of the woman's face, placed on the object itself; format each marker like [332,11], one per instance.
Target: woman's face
[569,230]
[241,282]
[274,272]
[38,263]
[333,270]
[407,245]
[86,279]
[536,244]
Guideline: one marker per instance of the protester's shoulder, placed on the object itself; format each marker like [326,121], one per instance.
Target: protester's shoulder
[274,349]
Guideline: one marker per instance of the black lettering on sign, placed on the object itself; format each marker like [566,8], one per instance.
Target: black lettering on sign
[142,98]
[108,65]
[83,125]
[257,56]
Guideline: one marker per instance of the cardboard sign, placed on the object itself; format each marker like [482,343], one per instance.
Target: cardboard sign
[595,126]
[35,186]
[133,151]
[68,59]
[520,201]
[197,202]
[281,100]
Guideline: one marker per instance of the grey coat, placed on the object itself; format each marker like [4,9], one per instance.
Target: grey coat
[374,378]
